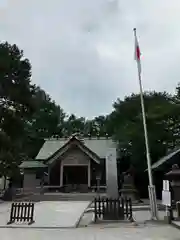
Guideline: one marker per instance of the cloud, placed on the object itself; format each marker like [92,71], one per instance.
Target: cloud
[82,51]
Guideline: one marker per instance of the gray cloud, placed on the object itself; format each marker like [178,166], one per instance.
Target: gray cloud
[82,51]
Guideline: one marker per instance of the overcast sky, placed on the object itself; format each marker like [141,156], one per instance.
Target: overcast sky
[81,51]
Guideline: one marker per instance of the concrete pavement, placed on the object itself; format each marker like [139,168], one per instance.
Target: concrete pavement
[148,232]
[49,214]
[66,214]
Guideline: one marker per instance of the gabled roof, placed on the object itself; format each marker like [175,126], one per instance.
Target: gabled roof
[98,146]
[73,142]
[32,164]
[165,159]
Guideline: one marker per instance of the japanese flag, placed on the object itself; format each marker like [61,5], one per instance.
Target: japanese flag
[137,52]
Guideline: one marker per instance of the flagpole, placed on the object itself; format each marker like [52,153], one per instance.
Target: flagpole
[151,187]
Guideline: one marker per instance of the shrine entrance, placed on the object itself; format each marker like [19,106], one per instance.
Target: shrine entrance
[75,175]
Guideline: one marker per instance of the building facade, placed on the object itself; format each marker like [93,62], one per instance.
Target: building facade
[73,163]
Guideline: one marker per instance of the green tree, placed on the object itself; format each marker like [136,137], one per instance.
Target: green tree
[47,121]
[128,128]
[16,104]
[73,125]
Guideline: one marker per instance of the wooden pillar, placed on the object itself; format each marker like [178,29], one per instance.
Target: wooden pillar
[61,174]
[89,174]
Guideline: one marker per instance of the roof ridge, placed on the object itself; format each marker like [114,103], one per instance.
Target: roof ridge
[82,138]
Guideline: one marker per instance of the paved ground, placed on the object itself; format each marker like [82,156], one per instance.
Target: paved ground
[140,216]
[50,214]
[145,215]
[149,232]
[66,214]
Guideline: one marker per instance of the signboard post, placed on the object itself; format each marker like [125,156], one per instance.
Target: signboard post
[111,173]
[166,195]
[166,199]
[165,185]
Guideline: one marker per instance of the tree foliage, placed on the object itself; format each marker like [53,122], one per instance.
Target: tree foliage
[16,104]
[28,115]
[162,115]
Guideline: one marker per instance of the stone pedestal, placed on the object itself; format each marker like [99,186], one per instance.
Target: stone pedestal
[129,192]
[128,189]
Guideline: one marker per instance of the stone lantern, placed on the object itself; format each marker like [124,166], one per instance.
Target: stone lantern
[174,177]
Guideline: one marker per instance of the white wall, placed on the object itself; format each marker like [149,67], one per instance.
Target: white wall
[30,182]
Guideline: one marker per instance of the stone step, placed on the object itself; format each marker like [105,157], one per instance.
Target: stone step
[39,197]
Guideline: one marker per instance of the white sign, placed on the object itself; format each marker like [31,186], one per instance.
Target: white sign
[166,198]
[165,185]
[111,173]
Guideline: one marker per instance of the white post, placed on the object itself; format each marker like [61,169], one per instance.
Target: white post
[151,187]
